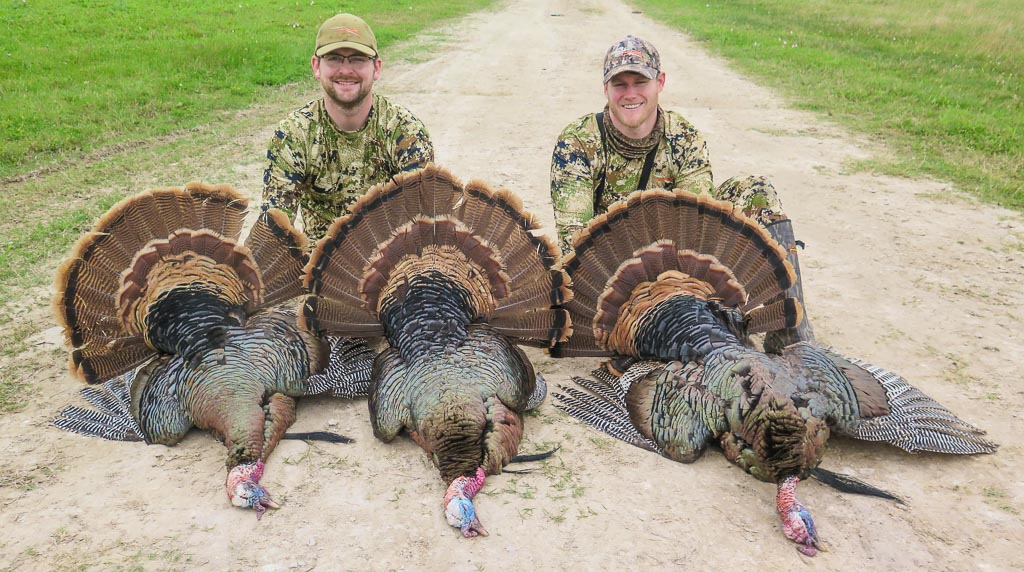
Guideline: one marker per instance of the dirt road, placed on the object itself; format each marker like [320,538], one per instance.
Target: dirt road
[905,274]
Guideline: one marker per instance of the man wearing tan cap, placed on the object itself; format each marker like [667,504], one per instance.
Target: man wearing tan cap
[328,153]
[634,144]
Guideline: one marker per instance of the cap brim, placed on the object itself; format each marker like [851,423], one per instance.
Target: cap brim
[647,72]
[328,48]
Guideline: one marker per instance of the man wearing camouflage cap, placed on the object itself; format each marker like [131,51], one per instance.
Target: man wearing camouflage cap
[329,152]
[633,144]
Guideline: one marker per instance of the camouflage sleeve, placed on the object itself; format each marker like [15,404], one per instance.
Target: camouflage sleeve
[690,153]
[285,174]
[755,195]
[412,146]
[572,185]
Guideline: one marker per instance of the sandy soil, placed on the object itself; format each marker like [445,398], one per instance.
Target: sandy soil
[906,274]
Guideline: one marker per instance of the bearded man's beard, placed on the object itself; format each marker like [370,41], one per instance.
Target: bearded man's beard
[359,99]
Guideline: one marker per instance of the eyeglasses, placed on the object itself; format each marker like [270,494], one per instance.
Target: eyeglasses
[355,60]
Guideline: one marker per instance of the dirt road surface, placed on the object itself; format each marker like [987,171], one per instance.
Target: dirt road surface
[909,275]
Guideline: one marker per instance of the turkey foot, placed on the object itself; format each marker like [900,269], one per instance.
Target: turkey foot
[244,489]
[797,524]
[458,504]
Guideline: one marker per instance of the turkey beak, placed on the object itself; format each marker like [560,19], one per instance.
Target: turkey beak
[473,528]
[262,505]
[811,547]
[816,544]
[812,544]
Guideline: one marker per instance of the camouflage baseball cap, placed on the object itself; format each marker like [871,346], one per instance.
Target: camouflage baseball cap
[345,31]
[632,54]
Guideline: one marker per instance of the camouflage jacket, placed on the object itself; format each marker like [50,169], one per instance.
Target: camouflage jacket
[579,160]
[318,170]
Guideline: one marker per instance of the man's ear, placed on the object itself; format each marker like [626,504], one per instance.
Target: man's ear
[314,63]
[661,81]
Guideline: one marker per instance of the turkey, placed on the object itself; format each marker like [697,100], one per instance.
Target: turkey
[453,277]
[175,323]
[669,285]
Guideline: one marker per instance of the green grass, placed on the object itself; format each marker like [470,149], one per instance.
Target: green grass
[939,81]
[101,99]
[77,76]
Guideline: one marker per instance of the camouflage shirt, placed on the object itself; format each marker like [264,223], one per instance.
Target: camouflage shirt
[318,170]
[579,160]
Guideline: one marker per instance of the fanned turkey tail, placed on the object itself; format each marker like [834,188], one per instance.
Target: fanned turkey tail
[426,227]
[668,275]
[97,307]
[184,325]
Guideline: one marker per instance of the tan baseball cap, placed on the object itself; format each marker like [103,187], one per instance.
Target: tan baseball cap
[345,31]
[632,54]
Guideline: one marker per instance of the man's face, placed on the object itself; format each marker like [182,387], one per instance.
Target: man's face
[347,76]
[633,100]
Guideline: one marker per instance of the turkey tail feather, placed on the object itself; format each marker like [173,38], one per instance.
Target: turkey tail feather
[720,253]
[427,223]
[153,246]
[280,252]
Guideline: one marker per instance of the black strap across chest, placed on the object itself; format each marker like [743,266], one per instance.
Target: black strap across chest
[645,173]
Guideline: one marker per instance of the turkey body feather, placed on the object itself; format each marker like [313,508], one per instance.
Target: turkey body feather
[681,299]
[462,406]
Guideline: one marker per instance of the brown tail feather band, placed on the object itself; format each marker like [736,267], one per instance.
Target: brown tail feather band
[280,253]
[785,313]
[153,239]
[440,260]
[657,232]
[438,244]
[172,264]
